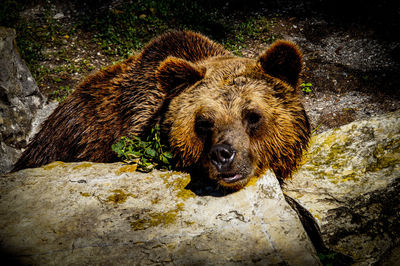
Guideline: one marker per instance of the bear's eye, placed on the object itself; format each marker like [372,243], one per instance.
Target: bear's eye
[203,126]
[253,119]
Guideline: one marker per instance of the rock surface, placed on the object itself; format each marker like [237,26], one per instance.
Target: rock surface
[86,213]
[350,182]
[106,213]
[20,100]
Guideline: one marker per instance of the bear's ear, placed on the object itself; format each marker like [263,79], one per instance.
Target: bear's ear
[175,74]
[283,60]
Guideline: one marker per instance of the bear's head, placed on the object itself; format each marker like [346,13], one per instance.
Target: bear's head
[234,118]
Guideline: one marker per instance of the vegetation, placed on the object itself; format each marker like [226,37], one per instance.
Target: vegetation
[32,34]
[306,87]
[61,94]
[330,258]
[254,28]
[147,154]
[128,27]
[116,31]
[315,129]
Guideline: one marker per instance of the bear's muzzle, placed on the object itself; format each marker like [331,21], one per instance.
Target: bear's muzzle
[222,156]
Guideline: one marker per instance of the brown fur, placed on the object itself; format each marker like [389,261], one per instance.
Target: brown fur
[203,97]
[229,94]
[120,100]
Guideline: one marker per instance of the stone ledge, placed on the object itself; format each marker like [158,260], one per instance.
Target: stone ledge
[104,213]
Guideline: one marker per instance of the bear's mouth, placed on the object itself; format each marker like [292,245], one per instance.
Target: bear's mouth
[231,178]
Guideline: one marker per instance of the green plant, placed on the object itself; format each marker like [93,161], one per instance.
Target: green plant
[254,28]
[125,28]
[235,46]
[56,79]
[130,24]
[258,28]
[365,77]
[327,259]
[35,33]
[306,87]
[61,94]
[315,129]
[148,153]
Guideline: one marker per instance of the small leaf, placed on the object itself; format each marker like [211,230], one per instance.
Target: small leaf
[168,155]
[137,153]
[136,138]
[330,256]
[151,152]
[164,160]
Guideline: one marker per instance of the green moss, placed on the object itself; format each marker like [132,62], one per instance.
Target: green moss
[119,196]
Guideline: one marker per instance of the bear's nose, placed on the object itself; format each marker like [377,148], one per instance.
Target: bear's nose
[222,156]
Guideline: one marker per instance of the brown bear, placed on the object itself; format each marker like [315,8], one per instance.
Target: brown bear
[228,117]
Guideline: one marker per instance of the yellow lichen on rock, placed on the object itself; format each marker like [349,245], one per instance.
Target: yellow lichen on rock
[129,168]
[84,194]
[53,165]
[119,196]
[252,181]
[178,185]
[82,165]
[156,218]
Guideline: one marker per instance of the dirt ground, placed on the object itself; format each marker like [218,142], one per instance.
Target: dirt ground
[353,66]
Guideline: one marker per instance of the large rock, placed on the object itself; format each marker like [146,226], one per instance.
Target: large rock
[106,214]
[350,182]
[20,100]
